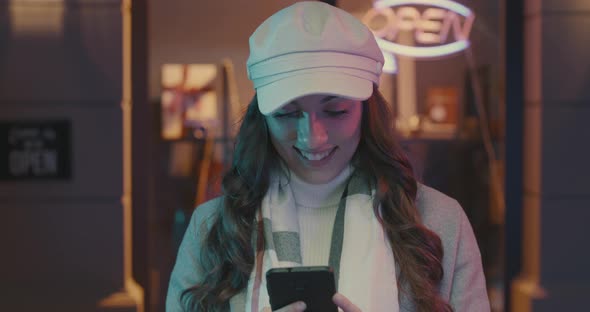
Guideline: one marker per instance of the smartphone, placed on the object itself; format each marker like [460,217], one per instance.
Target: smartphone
[313,285]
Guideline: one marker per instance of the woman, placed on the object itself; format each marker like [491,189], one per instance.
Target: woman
[318,179]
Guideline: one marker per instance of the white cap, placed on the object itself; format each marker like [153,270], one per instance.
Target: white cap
[312,47]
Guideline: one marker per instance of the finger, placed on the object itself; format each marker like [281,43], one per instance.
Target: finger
[344,304]
[298,306]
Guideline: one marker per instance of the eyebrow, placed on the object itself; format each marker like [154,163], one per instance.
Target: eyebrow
[324,100]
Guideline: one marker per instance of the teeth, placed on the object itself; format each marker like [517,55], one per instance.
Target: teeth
[316,156]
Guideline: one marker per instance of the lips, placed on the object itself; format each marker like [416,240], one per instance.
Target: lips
[315,156]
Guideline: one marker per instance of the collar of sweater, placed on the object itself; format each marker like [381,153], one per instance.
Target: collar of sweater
[319,195]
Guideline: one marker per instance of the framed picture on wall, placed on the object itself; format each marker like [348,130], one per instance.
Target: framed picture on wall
[190,103]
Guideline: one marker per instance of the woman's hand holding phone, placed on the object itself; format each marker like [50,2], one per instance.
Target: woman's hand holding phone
[297,288]
[340,300]
[343,303]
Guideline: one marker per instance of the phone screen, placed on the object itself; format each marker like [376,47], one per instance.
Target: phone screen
[313,285]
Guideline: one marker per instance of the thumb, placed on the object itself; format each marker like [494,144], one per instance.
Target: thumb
[343,303]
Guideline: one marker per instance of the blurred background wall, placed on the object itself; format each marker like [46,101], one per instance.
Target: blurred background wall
[556,197]
[62,238]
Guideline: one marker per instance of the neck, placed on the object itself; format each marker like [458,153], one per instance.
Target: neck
[319,195]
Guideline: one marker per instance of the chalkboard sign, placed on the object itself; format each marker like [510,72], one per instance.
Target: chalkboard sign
[35,150]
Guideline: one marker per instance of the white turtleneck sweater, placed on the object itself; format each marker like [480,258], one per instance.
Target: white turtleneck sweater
[317,205]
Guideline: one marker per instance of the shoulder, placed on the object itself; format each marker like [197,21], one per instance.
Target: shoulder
[439,212]
[463,283]
[201,221]
[205,214]
[188,270]
[210,207]
[444,216]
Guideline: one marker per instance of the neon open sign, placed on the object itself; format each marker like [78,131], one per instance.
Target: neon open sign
[432,27]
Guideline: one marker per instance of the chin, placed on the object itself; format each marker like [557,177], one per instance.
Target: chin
[319,177]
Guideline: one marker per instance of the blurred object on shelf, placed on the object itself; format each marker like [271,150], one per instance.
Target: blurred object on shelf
[409,126]
[182,158]
[442,105]
[204,170]
[497,205]
[442,111]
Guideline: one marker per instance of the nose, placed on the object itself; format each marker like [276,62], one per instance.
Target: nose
[311,132]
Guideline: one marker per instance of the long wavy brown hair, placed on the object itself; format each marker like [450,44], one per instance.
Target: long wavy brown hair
[227,254]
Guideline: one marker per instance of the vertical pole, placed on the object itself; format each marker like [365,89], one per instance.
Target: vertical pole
[513,51]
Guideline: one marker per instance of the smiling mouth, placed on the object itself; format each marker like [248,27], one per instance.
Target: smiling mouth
[315,156]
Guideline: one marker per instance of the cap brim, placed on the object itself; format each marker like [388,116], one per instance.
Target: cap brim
[276,94]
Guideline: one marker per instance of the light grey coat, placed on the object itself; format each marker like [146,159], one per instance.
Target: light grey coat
[463,284]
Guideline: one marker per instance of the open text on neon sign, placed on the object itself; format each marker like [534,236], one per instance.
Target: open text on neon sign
[431,27]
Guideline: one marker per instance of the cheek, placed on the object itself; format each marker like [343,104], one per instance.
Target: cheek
[280,134]
[351,129]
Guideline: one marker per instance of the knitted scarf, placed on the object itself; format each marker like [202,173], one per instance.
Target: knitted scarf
[360,253]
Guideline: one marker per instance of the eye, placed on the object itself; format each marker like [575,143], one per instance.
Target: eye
[336,113]
[293,114]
